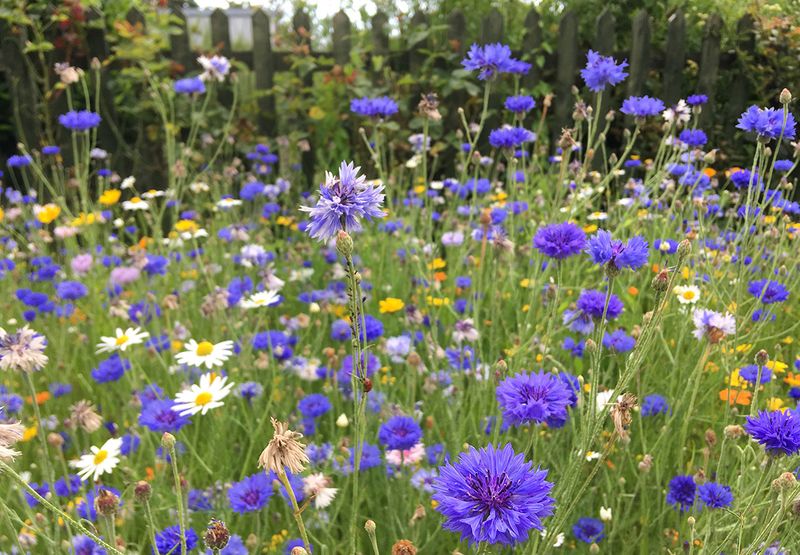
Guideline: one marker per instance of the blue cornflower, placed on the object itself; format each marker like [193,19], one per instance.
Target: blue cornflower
[666,246]
[575,348]
[251,494]
[767,123]
[777,431]
[693,137]
[340,330]
[618,341]
[520,104]
[654,404]
[370,458]
[680,493]
[342,202]
[593,303]
[371,328]
[71,290]
[493,495]
[559,241]
[50,150]
[510,137]
[67,487]
[168,540]
[696,99]
[84,545]
[489,60]
[783,165]
[601,71]
[379,107]
[533,397]
[190,85]
[642,106]
[82,120]
[744,178]
[400,432]
[768,291]
[158,416]
[604,250]
[589,530]
[250,390]
[41,489]
[750,373]
[314,405]
[110,369]
[715,496]
[18,161]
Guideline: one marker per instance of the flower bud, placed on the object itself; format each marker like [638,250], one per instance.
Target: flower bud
[784,482]
[55,440]
[344,243]
[785,96]
[684,249]
[342,421]
[168,441]
[217,535]
[646,463]
[299,551]
[733,431]
[691,521]
[660,281]
[369,526]
[142,491]
[711,438]
[106,503]
[762,358]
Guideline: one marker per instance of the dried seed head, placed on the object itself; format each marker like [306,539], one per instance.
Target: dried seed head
[621,414]
[762,358]
[106,503]
[734,431]
[83,414]
[711,438]
[429,106]
[217,535]
[661,281]
[299,550]
[646,463]
[284,450]
[404,547]
[784,482]
[142,491]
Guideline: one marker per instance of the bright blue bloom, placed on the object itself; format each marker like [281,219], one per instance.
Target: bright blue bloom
[768,291]
[158,416]
[250,390]
[715,496]
[67,488]
[602,249]
[559,241]
[71,290]
[681,492]
[575,349]
[592,303]
[601,71]
[744,179]
[168,540]
[251,494]
[767,123]
[696,99]
[18,161]
[41,489]
[666,246]
[342,202]
[314,405]
[110,369]
[379,107]
[777,431]
[400,432]
[50,150]
[618,341]
[654,404]
[291,544]
[510,137]
[520,104]
[693,137]
[589,530]
[490,60]
[642,106]
[84,545]
[82,120]
[750,373]
[783,165]
[190,85]
[533,397]
[493,495]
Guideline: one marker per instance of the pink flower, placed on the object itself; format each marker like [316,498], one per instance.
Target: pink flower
[124,275]
[406,457]
[81,264]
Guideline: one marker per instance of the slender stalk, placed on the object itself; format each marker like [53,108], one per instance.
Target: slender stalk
[173,455]
[297,513]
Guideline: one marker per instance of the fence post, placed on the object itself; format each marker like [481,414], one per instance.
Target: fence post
[264,68]
[220,32]
[21,85]
[739,91]
[605,37]
[341,38]
[674,58]
[380,45]
[98,48]
[416,58]
[640,52]
[179,43]
[302,27]
[492,27]
[566,68]
[709,63]
[531,44]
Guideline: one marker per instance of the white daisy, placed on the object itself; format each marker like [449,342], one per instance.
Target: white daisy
[101,461]
[262,298]
[121,340]
[228,202]
[203,397]
[128,182]
[205,353]
[152,193]
[199,187]
[687,294]
[135,203]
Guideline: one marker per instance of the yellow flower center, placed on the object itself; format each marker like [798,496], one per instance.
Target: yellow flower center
[204,348]
[688,295]
[100,456]
[203,398]
[121,340]
[136,200]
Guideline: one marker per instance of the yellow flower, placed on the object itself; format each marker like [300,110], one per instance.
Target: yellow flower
[734,380]
[29,433]
[419,189]
[390,304]
[437,264]
[774,404]
[590,228]
[437,301]
[2,214]
[48,213]
[186,225]
[777,366]
[110,197]
[525,283]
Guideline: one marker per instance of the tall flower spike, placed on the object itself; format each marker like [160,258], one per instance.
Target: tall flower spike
[284,451]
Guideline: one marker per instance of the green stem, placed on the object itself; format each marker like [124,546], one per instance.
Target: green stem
[298,514]
[179,491]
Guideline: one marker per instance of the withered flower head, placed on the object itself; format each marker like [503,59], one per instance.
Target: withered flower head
[429,107]
[284,450]
[83,414]
[621,414]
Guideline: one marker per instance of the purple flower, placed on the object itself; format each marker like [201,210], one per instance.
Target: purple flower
[559,241]
[654,404]
[750,374]
[342,202]
[696,99]
[592,303]
[190,85]
[79,121]
[84,545]
[490,60]
[123,275]
[777,431]
[510,137]
[601,71]
[642,106]
[520,104]
[693,137]
[618,341]
[400,432]
[680,493]
[71,290]
[19,161]
[251,494]
[379,107]
[168,540]
[768,291]
[110,369]
[158,416]
[715,496]
[589,530]
[767,123]
[314,405]
[533,397]
[604,250]
[50,150]
[493,495]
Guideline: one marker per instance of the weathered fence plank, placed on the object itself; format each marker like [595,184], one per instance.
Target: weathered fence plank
[709,63]
[21,85]
[605,33]
[341,38]
[416,54]
[302,27]
[640,53]
[675,58]
[531,47]
[179,42]
[566,69]
[98,48]
[264,68]
[739,89]
[492,27]
[220,32]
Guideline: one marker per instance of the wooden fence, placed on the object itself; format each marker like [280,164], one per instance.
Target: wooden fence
[661,68]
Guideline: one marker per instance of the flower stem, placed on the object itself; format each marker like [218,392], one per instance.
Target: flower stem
[298,514]
[173,456]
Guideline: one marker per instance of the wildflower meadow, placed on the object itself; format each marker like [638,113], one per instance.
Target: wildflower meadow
[474,335]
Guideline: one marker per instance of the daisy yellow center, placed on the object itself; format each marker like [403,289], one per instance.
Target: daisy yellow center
[136,200]
[261,301]
[100,456]
[688,295]
[121,340]
[203,398]
[204,348]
